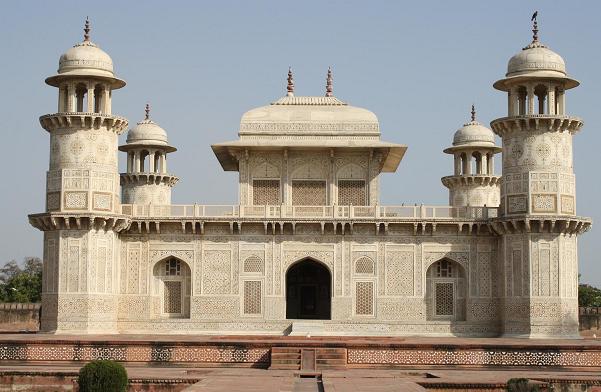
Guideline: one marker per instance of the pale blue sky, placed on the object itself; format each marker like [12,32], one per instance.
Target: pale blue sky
[418,65]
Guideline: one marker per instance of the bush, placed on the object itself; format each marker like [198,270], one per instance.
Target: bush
[103,376]
[521,385]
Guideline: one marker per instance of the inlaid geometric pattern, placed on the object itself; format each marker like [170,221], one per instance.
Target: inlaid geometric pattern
[189,353]
[172,302]
[351,192]
[266,192]
[444,299]
[503,357]
[308,193]
[364,304]
[252,297]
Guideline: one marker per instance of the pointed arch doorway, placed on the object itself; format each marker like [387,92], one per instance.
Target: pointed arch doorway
[308,291]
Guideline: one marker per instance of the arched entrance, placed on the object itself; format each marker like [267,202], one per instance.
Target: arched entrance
[308,291]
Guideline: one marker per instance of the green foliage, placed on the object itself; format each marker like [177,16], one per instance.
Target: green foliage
[521,385]
[589,296]
[21,285]
[102,376]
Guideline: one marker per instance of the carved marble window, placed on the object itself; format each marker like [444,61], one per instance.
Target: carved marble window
[173,267]
[308,193]
[252,297]
[253,264]
[364,265]
[364,298]
[266,192]
[172,301]
[444,299]
[351,192]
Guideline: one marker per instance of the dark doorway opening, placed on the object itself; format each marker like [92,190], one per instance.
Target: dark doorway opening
[308,291]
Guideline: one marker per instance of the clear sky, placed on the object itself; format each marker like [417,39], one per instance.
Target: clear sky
[418,65]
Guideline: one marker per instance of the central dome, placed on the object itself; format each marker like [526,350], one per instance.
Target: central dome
[309,114]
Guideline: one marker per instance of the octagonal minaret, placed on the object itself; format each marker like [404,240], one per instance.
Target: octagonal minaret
[538,222]
[83,210]
[146,180]
[473,183]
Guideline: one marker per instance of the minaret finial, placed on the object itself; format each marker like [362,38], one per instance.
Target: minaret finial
[290,87]
[147,110]
[473,113]
[329,83]
[86,30]
[534,27]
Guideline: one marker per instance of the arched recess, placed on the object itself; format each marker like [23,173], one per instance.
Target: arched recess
[446,291]
[171,288]
[308,291]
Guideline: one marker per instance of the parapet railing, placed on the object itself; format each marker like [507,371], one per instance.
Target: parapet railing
[308,212]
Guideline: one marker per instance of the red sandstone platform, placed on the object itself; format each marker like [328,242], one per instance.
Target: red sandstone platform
[343,352]
[376,364]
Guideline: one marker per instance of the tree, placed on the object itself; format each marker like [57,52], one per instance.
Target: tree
[589,296]
[21,285]
[9,270]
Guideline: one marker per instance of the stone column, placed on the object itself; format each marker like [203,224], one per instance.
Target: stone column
[491,165]
[551,100]
[483,164]
[130,157]
[561,103]
[468,168]
[136,161]
[332,198]
[457,158]
[106,109]
[285,188]
[151,167]
[61,99]
[90,108]
[531,102]
[72,98]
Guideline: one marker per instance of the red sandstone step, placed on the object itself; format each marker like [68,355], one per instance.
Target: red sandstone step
[284,367]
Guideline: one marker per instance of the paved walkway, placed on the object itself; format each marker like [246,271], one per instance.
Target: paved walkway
[354,380]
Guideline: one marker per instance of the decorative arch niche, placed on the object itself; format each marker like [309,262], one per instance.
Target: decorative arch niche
[446,290]
[171,288]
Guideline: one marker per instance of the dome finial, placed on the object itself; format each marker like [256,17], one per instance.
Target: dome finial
[86,30]
[473,113]
[534,27]
[329,80]
[290,86]
[147,110]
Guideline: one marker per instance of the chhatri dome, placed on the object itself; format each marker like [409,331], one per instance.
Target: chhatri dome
[148,133]
[474,134]
[85,59]
[536,60]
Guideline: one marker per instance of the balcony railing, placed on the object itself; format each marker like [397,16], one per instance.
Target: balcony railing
[417,212]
